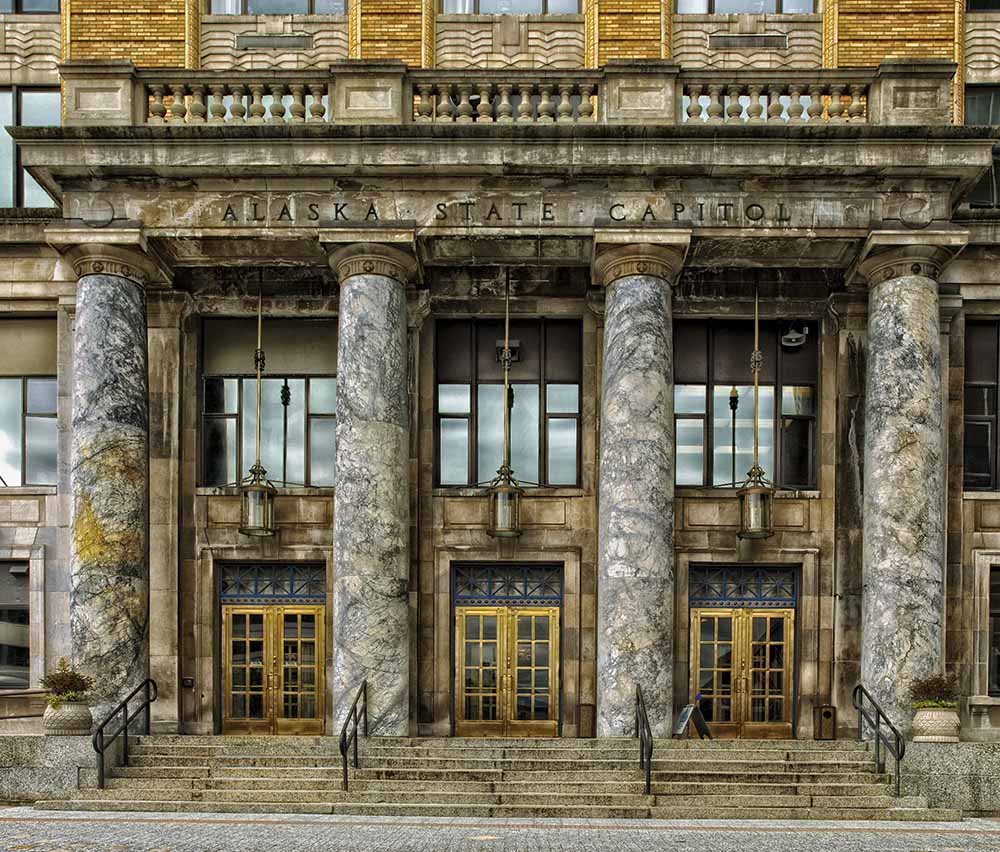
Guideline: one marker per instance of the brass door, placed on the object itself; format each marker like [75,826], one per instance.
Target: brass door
[507,671]
[742,664]
[272,669]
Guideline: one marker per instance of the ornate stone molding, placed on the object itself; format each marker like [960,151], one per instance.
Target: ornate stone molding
[374,259]
[903,261]
[418,307]
[98,259]
[652,260]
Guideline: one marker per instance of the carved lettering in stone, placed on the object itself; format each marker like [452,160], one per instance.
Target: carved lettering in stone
[915,98]
[369,99]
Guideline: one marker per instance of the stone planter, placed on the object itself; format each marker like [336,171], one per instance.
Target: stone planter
[936,725]
[72,719]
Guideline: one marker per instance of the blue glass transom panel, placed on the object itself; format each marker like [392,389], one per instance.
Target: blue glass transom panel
[272,583]
[507,585]
[743,585]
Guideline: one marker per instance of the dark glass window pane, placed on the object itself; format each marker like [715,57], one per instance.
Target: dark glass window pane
[453,343]
[980,401]
[10,432]
[981,353]
[41,396]
[994,662]
[983,5]
[323,451]
[984,193]
[28,6]
[40,442]
[982,105]
[795,452]
[14,626]
[219,447]
[562,347]
[562,451]
[978,452]
[221,396]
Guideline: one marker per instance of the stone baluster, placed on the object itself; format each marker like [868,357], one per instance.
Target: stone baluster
[197,110]
[564,110]
[904,478]
[525,109]
[257,109]
[715,108]
[856,110]
[425,108]
[217,110]
[546,107]
[505,109]
[734,109]
[795,108]
[178,107]
[586,108]
[298,106]
[276,111]
[157,109]
[317,109]
[238,108]
[371,504]
[635,577]
[445,106]
[836,108]
[694,107]
[464,110]
[775,108]
[815,109]
[484,109]
[755,109]
[109,473]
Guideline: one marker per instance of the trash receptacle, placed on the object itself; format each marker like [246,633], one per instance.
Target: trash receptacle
[825,722]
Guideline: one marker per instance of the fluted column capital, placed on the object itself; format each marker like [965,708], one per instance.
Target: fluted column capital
[101,259]
[648,259]
[891,254]
[375,259]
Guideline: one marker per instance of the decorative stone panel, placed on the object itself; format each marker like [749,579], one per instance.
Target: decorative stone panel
[982,47]
[510,41]
[299,42]
[29,50]
[693,35]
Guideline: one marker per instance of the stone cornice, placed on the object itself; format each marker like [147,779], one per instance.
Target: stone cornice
[374,259]
[649,259]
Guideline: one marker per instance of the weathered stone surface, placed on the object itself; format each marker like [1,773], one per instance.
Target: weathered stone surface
[109,604]
[635,619]
[903,481]
[371,527]
[954,775]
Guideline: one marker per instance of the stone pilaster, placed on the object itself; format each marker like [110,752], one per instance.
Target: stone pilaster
[109,474]
[371,638]
[903,507]
[635,578]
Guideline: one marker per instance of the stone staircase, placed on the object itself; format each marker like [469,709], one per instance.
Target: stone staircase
[692,779]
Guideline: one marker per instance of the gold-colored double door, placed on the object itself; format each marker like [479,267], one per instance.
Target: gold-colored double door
[742,664]
[507,671]
[272,669]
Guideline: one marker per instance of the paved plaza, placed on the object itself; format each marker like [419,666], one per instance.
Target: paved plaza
[28,830]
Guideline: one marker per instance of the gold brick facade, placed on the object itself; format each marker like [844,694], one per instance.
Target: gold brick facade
[628,29]
[391,29]
[152,33]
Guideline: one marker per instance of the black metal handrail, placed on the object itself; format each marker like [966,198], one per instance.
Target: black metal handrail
[895,745]
[352,716]
[101,742]
[645,735]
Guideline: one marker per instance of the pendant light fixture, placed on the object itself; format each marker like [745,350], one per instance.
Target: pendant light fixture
[756,496]
[504,492]
[256,492]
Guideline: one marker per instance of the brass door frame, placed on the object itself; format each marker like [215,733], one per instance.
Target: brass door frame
[273,721]
[507,724]
[741,725]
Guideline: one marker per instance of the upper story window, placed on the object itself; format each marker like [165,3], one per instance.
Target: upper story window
[982,106]
[28,7]
[24,108]
[15,659]
[756,7]
[983,6]
[277,7]
[712,361]
[982,369]
[28,425]
[993,687]
[545,416]
[298,402]
[510,7]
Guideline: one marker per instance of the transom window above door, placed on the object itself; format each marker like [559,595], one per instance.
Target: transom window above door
[298,402]
[712,375]
[545,417]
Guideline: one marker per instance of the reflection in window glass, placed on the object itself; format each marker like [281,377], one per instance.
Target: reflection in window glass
[689,399]
[278,7]
[34,6]
[459,7]
[523,431]
[722,438]
[38,109]
[6,149]
[454,451]
[797,401]
[454,399]
[690,442]
[510,7]
[323,451]
[322,396]
[562,451]
[562,399]
[10,431]
[735,7]
[40,441]
[14,626]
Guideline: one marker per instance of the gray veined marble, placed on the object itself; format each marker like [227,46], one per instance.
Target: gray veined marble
[371,509]
[635,618]
[903,596]
[109,604]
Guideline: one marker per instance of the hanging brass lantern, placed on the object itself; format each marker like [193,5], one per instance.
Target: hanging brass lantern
[504,492]
[256,492]
[756,496]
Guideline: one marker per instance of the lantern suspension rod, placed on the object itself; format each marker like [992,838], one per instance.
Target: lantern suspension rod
[258,362]
[756,359]
[506,357]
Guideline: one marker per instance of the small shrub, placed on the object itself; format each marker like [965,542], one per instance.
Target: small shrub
[935,691]
[66,684]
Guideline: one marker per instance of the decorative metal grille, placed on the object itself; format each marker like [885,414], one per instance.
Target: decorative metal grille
[743,585]
[524,585]
[272,583]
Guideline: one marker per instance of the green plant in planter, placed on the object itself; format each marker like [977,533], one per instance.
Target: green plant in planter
[936,691]
[66,684]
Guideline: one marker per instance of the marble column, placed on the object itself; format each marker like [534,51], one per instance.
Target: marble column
[903,507]
[635,578]
[371,636]
[109,475]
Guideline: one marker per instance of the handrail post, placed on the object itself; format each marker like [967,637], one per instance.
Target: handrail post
[146,710]
[125,734]
[364,704]
[100,759]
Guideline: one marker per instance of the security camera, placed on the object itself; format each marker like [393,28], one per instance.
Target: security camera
[794,339]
